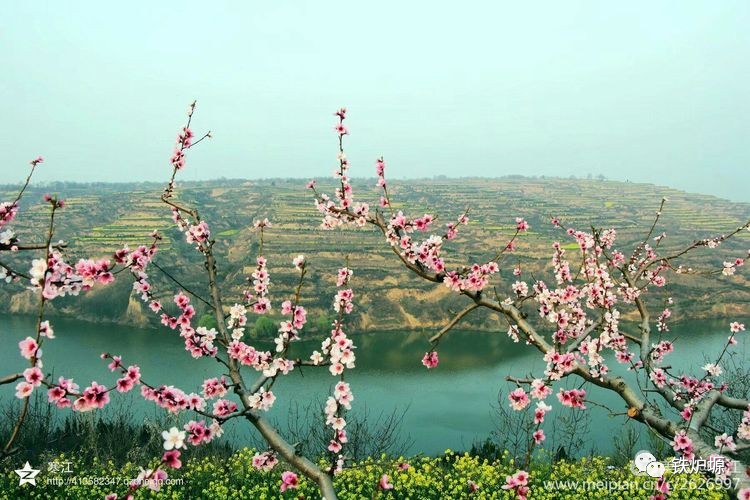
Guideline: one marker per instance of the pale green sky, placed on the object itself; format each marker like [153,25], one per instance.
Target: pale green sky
[648,91]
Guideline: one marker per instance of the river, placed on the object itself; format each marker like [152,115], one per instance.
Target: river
[447,407]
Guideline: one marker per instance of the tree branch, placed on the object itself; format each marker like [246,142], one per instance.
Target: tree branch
[458,317]
[10,378]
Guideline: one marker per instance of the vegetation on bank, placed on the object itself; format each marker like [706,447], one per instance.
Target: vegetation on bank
[86,455]
[448,476]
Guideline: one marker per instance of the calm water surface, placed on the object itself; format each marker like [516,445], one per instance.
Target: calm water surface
[448,407]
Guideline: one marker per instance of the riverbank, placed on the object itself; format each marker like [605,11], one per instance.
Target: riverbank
[453,405]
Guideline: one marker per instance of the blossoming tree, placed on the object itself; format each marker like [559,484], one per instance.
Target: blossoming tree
[581,322]
[51,277]
[578,321]
[9,242]
[242,387]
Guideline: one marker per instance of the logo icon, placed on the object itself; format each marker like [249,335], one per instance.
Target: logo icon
[27,475]
[646,463]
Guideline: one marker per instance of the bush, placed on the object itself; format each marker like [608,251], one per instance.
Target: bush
[208,321]
[265,328]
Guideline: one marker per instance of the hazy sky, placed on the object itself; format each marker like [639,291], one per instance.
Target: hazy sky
[646,91]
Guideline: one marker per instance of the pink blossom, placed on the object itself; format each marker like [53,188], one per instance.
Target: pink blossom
[289,480]
[736,327]
[23,390]
[518,399]
[686,413]
[265,461]
[152,479]
[124,384]
[541,410]
[224,407]
[260,224]
[262,306]
[724,441]
[682,443]
[385,483]
[340,129]
[133,372]
[55,394]
[518,482]
[343,276]
[8,212]
[172,459]
[423,223]
[198,233]
[658,377]
[213,387]
[28,347]
[45,330]
[262,400]
[430,359]
[574,398]
[538,436]
[299,261]
[94,396]
[33,376]
[539,389]
[659,281]
[662,486]
[116,363]
[181,300]
[198,432]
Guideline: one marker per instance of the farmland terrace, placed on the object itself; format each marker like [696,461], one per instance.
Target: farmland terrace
[99,218]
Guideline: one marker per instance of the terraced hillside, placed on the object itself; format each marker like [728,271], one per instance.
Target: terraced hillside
[100,218]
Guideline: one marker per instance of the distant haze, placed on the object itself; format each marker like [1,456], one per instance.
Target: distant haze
[642,91]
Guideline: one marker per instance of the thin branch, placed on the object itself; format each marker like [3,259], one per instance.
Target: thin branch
[180,284]
[14,272]
[456,319]
[591,328]
[10,378]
